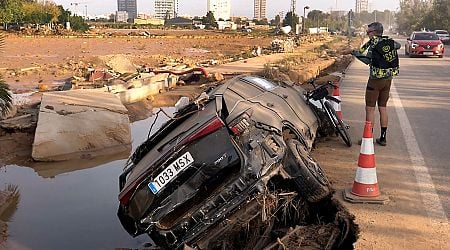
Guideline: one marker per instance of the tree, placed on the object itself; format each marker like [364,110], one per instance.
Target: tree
[10,11]
[5,97]
[261,22]
[78,23]
[64,15]
[318,18]
[35,13]
[289,20]
[209,20]
[276,21]
[438,16]
[412,15]
[238,21]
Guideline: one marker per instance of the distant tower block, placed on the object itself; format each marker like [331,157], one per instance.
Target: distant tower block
[166,9]
[362,5]
[260,9]
[129,6]
[220,8]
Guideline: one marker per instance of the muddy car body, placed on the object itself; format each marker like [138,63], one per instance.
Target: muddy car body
[211,163]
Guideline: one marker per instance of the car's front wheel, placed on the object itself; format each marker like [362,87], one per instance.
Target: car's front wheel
[311,180]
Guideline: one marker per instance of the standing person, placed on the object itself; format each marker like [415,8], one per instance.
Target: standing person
[383,60]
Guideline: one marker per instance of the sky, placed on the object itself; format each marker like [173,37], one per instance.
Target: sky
[238,7]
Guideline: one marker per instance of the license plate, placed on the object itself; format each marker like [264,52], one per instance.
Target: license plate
[427,53]
[170,172]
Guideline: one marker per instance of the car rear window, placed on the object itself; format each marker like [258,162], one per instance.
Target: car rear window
[425,36]
[442,32]
[261,82]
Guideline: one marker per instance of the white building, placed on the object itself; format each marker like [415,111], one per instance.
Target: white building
[362,5]
[166,9]
[220,8]
[121,16]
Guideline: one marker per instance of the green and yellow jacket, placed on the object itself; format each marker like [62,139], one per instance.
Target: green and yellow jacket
[381,56]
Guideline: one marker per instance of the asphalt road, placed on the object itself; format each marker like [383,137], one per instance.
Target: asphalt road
[413,170]
[424,89]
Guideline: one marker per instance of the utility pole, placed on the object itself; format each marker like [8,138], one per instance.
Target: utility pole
[350,24]
[293,3]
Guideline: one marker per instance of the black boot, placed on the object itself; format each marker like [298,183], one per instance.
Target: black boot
[382,139]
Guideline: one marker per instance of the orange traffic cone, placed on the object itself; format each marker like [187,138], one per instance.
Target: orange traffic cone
[365,187]
[337,106]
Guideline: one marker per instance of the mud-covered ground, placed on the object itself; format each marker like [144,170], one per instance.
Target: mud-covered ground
[30,61]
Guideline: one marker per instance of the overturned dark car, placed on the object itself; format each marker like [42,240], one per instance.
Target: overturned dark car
[224,159]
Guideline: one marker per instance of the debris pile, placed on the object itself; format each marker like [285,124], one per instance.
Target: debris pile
[283,46]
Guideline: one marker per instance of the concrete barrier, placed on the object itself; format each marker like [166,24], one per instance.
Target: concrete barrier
[80,124]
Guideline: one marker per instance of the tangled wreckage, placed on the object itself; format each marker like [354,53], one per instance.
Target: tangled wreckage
[233,170]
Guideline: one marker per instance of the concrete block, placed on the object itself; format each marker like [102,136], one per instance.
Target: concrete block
[80,123]
[138,94]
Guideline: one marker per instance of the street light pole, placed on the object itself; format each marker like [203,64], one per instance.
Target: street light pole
[293,3]
[304,18]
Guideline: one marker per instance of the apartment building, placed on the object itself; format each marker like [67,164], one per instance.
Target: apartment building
[260,10]
[220,8]
[166,9]
[130,6]
[362,5]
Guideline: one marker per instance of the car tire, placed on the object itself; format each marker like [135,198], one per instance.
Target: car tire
[311,180]
[441,56]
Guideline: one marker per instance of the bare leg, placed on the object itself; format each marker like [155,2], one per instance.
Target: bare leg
[370,113]
[383,117]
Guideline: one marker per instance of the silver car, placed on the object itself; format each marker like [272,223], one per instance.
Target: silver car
[443,35]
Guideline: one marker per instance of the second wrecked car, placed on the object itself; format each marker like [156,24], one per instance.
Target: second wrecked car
[218,159]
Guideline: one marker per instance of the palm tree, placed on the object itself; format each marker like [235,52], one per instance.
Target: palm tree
[5,96]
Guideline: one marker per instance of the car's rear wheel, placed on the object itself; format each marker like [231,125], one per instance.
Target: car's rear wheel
[311,180]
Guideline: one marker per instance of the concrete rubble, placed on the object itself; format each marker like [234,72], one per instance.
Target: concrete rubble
[283,46]
[80,124]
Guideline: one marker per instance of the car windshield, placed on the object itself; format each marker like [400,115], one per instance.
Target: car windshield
[425,36]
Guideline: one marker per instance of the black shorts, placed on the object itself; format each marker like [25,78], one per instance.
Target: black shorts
[377,92]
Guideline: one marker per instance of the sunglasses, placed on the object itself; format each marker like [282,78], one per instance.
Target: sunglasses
[370,31]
